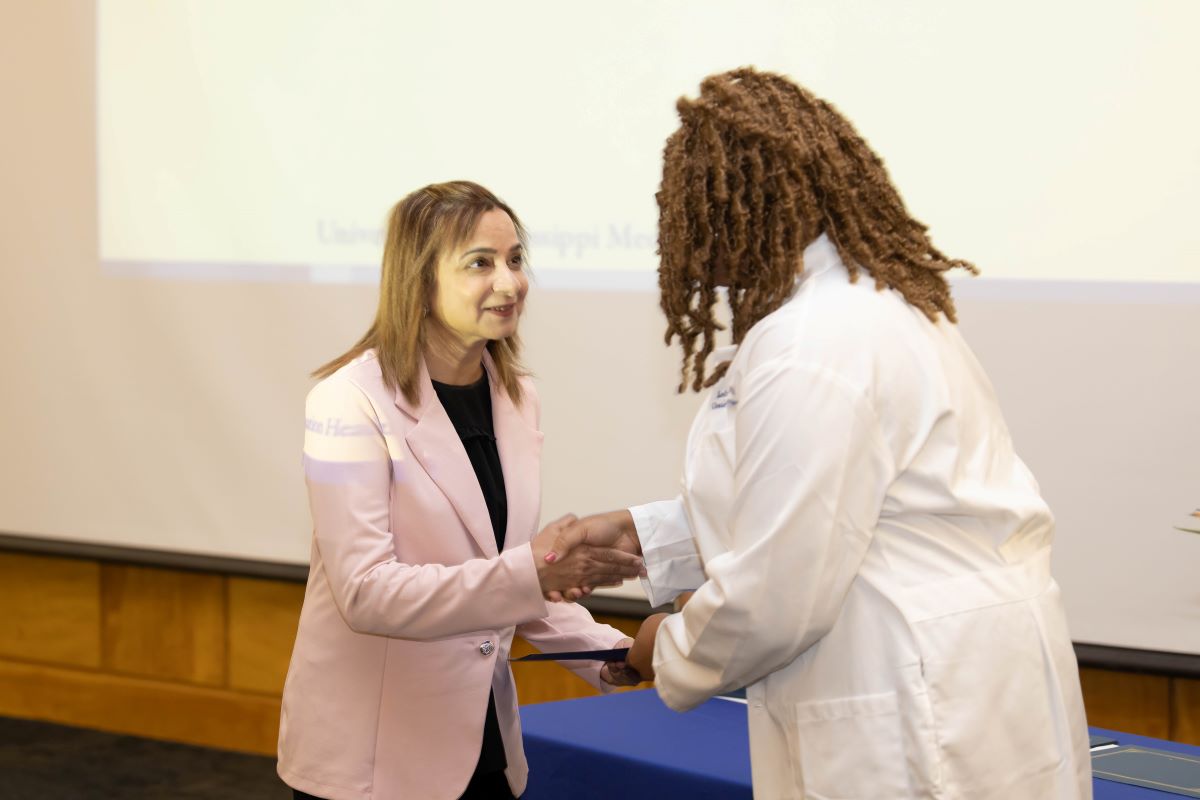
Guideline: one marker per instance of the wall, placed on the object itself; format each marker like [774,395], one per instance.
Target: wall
[201,657]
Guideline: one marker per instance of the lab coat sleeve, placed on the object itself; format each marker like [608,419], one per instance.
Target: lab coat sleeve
[348,471]
[811,471]
[669,552]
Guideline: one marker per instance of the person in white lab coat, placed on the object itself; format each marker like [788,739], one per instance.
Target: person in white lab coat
[870,556]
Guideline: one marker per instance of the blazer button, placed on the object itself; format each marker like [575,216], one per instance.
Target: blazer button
[487,648]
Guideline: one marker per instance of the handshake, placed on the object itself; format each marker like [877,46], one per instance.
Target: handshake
[574,556]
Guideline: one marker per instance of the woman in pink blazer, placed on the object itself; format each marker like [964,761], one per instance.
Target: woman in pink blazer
[421,457]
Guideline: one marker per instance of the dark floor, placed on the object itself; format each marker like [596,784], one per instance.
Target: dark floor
[40,761]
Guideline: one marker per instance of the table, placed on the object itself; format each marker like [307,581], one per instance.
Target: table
[630,745]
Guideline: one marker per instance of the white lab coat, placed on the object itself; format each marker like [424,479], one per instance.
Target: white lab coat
[872,561]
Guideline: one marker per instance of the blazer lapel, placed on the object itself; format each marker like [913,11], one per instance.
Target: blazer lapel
[520,447]
[435,444]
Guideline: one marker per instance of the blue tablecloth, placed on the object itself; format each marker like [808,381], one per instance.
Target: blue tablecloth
[631,746]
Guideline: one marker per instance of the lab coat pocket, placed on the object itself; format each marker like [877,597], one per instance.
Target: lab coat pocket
[851,748]
[993,700]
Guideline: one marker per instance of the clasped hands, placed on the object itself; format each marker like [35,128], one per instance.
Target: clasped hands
[574,556]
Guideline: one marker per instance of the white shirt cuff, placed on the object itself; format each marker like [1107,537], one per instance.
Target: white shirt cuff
[672,563]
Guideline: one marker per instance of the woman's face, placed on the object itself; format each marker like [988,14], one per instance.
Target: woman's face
[481,284]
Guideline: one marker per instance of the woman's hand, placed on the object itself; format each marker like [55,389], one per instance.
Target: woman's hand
[619,673]
[641,652]
[583,567]
[614,529]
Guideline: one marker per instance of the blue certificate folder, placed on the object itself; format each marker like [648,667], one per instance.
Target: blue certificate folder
[1153,769]
[578,655]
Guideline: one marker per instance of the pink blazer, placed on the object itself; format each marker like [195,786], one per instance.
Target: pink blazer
[409,611]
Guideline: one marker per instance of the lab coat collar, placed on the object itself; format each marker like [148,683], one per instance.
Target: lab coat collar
[720,355]
[820,256]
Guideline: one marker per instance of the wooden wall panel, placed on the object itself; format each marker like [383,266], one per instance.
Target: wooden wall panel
[1185,710]
[195,715]
[1127,702]
[51,609]
[147,651]
[263,616]
[627,625]
[165,624]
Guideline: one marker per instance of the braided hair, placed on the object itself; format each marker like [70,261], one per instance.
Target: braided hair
[758,168]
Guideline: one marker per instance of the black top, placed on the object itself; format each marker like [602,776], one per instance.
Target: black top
[470,409]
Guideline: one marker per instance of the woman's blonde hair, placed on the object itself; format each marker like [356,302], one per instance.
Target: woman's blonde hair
[422,227]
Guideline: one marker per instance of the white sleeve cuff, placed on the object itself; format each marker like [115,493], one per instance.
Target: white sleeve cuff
[668,550]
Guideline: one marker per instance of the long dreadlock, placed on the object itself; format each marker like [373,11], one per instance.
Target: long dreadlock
[758,168]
